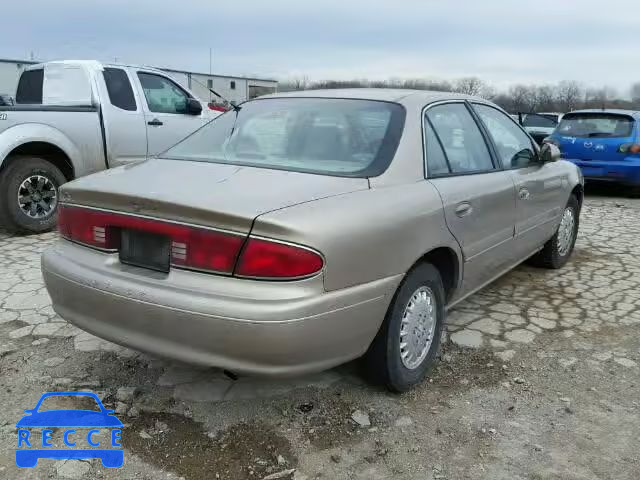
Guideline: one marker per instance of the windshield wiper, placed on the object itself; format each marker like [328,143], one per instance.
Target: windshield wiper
[599,134]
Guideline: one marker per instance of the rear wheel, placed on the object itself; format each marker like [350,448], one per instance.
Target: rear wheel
[558,249]
[29,195]
[407,344]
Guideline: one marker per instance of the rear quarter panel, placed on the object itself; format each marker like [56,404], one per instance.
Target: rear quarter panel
[77,133]
[365,235]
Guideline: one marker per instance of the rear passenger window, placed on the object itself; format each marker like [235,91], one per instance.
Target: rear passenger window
[30,87]
[463,144]
[119,89]
[436,159]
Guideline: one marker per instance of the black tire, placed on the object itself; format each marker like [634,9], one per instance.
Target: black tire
[550,256]
[12,217]
[383,360]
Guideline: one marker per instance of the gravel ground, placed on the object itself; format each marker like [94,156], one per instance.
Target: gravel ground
[539,379]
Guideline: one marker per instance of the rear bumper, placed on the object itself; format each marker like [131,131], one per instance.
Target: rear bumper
[266,328]
[623,171]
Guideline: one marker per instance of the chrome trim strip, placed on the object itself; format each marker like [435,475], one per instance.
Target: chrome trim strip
[158,219]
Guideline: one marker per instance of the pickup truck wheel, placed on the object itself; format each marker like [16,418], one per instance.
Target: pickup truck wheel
[29,195]
[407,344]
[558,249]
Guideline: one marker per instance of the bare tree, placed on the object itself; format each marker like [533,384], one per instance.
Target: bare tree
[635,95]
[488,92]
[602,97]
[469,86]
[294,84]
[524,98]
[565,96]
[545,98]
[568,95]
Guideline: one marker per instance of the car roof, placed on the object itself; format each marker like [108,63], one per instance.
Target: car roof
[619,111]
[93,64]
[381,94]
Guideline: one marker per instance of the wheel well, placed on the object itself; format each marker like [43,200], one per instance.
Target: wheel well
[46,151]
[446,261]
[578,191]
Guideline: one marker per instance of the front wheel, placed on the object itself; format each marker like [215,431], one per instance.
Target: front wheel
[29,195]
[558,249]
[406,346]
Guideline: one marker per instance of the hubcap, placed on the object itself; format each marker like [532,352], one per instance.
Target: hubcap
[417,327]
[37,196]
[565,231]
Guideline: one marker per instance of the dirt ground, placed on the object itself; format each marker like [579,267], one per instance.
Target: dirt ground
[539,379]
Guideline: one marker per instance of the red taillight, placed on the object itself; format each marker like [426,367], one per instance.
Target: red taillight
[191,247]
[204,249]
[217,108]
[268,259]
[632,148]
[87,226]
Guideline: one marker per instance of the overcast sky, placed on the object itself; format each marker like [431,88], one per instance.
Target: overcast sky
[501,41]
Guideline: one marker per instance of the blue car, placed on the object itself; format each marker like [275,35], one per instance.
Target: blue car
[65,422]
[605,144]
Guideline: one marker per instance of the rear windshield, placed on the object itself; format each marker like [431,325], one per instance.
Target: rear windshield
[596,125]
[540,121]
[343,137]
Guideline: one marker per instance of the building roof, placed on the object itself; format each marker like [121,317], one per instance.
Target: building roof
[10,60]
[173,70]
[238,77]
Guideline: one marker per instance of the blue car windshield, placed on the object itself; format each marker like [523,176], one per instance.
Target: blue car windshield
[590,125]
[331,136]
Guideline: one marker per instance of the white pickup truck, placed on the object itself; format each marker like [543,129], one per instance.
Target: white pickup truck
[73,118]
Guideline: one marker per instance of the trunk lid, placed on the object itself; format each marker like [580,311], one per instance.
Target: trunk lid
[208,194]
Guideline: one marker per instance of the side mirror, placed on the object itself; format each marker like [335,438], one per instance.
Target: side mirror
[549,153]
[194,107]
[29,410]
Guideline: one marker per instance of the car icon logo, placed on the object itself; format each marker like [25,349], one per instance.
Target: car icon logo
[588,144]
[62,434]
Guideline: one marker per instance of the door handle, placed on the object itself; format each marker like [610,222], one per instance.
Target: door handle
[524,194]
[155,123]
[463,209]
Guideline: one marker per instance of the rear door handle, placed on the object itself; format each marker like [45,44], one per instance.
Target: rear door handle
[524,194]
[155,123]
[463,209]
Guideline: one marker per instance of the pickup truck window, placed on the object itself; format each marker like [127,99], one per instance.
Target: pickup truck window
[119,89]
[163,95]
[30,87]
